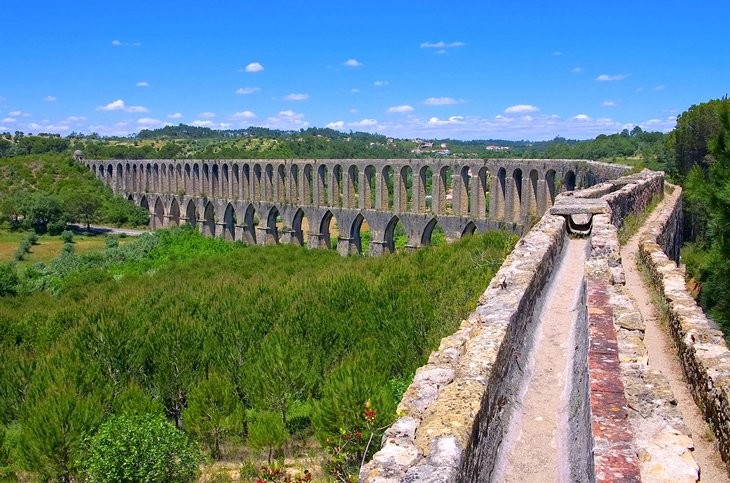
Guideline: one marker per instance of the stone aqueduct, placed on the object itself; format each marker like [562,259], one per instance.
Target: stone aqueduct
[243,199]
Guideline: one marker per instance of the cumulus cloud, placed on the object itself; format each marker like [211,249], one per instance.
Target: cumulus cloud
[9,119]
[296,97]
[400,109]
[243,115]
[119,105]
[352,63]
[143,84]
[610,78]
[254,67]
[581,117]
[75,118]
[521,109]
[119,43]
[116,42]
[364,123]
[50,98]
[175,115]
[18,114]
[441,101]
[441,45]
[210,124]
[286,120]
[435,121]
[608,103]
[247,90]
[380,83]
[206,115]
[336,125]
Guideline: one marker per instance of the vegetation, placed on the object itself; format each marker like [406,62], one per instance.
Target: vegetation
[175,323]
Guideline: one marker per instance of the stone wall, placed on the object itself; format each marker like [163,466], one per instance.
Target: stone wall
[702,349]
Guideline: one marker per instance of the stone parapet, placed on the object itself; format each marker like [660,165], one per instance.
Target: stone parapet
[703,352]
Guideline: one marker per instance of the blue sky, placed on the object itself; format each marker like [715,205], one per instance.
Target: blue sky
[510,70]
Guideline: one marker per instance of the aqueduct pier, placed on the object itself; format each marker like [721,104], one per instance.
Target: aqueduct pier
[243,199]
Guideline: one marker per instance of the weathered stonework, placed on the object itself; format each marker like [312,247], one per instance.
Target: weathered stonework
[701,347]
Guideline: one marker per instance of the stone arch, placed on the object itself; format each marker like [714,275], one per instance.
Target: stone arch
[256,182]
[148,183]
[385,189]
[335,198]
[322,186]
[130,198]
[356,233]
[144,203]
[209,219]
[188,180]
[272,234]
[158,221]
[368,188]
[550,185]
[156,178]
[307,197]
[207,190]
[164,179]
[109,176]
[246,182]
[424,203]
[293,192]
[179,181]
[298,235]
[443,192]
[119,178]
[326,229]
[350,197]
[225,181]
[469,229]
[229,220]
[533,197]
[135,179]
[281,182]
[569,181]
[174,212]
[427,234]
[235,182]
[196,180]
[191,214]
[249,225]
[268,183]
[462,189]
[389,235]
[404,191]
[481,210]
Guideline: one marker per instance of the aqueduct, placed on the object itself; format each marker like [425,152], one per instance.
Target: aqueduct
[267,201]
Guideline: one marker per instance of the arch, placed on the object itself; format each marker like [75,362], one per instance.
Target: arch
[229,220]
[135,180]
[403,193]
[356,233]
[385,189]
[433,228]
[533,208]
[569,181]
[179,183]
[271,225]
[191,214]
[156,178]
[209,219]
[462,189]
[196,180]
[130,198]
[280,195]
[390,234]
[119,178]
[205,189]
[109,176]
[256,183]
[148,183]
[482,194]
[298,223]
[351,197]
[424,202]
[307,181]
[144,203]
[225,191]
[128,178]
[174,213]
[293,192]
[249,225]
[335,199]
[550,182]
[322,186]
[367,188]
[517,177]
[158,221]
[327,230]
[443,191]
[235,182]
[164,180]
[215,187]
[469,229]
[246,182]
[269,183]
[188,181]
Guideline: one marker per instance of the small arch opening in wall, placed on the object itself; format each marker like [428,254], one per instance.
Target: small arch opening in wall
[191,214]
[214,181]
[388,192]
[246,183]
[426,192]
[135,179]
[465,201]
[294,177]
[483,193]
[236,182]
[250,222]
[229,219]
[164,180]
[209,219]
[226,180]
[110,175]
[308,185]
[180,188]
[517,177]
[119,178]
[336,187]
[446,189]
[273,224]
[300,227]
[143,203]
[159,219]
[395,235]
[569,181]
[156,179]
[174,213]
[360,233]
[469,230]
[256,183]
[322,185]
[330,230]
[147,185]
[533,193]
[550,177]
[354,186]
[196,180]
[368,192]
[269,183]
[433,234]
[406,189]
[281,185]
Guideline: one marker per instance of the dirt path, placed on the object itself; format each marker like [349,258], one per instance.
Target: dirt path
[663,356]
[539,452]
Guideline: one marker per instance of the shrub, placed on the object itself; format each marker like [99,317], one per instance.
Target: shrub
[67,249]
[8,279]
[140,448]
[112,241]
[67,236]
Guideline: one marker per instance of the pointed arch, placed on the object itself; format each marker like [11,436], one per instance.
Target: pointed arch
[389,236]
[191,214]
[356,233]
[298,222]
[272,228]
[551,188]
[329,231]
[249,225]
[469,229]
[174,213]
[569,181]
[229,220]
[209,219]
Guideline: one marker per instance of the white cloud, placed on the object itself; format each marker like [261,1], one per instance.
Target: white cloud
[577,70]
[247,90]
[608,103]
[442,101]
[116,42]
[201,123]
[364,123]
[9,119]
[286,120]
[581,117]
[335,125]
[254,67]
[521,109]
[119,105]
[18,113]
[175,115]
[557,53]
[354,111]
[660,87]
[400,109]
[354,90]
[243,115]
[149,122]
[352,63]
[296,97]
[610,78]
[380,83]
[210,124]
[143,84]
[435,121]
[50,98]
[441,45]
[207,115]
[119,43]
[75,118]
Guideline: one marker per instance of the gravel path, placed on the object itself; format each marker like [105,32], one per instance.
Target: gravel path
[663,356]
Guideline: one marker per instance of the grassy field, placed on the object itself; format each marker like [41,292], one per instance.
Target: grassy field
[48,247]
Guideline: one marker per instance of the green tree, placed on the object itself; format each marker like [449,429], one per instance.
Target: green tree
[267,431]
[82,205]
[213,412]
[134,448]
[43,209]
[8,279]
[689,139]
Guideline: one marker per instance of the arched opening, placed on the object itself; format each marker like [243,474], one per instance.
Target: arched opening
[294,184]
[433,233]
[569,182]
[272,221]
[229,220]
[353,182]
[281,183]
[395,235]
[209,220]
[250,221]
[307,191]
[482,210]
[156,188]
[144,203]
[159,219]
[367,191]
[329,230]
[119,179]
[246,182]
[360,233]
[207,188]
[445,190]
[225,182]
[517,177]
[148,179]
[550,183]
[174,213]
[130,198]
[269,183]
[469,230]
[110,176]
[256,183]
[387,189]
[135,179]
[236,184]
[191,214]
[196,180]
[405,190]
[188,181]
[299,225]
[180,189]
[164,180]
[322,185]
[336,188]
[425,198]
[464,206]
[533,192]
